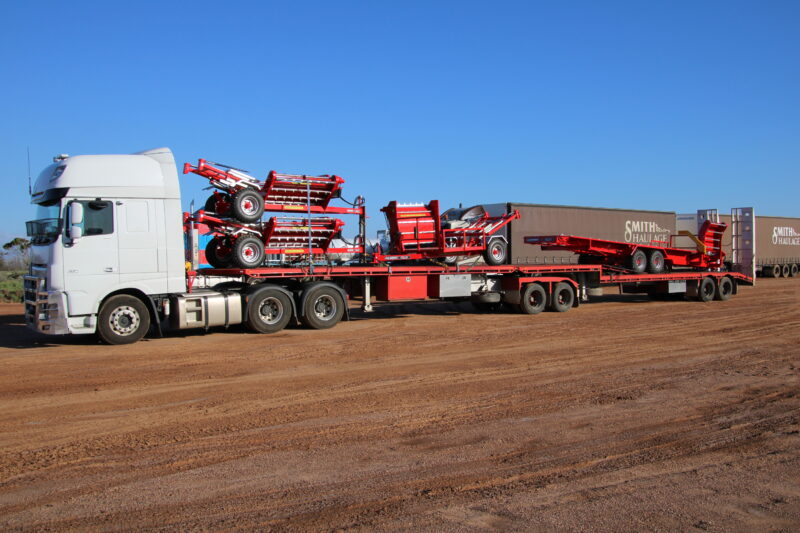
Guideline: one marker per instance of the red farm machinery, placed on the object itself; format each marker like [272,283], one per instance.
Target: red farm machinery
[235,209]
[654,257]
[419,231]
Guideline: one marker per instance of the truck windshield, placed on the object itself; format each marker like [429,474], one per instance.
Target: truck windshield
[47,225]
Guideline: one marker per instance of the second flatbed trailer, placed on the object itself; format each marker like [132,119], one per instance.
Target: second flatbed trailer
[268,299]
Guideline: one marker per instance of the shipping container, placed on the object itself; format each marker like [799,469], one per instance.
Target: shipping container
[776,242]
[626,225]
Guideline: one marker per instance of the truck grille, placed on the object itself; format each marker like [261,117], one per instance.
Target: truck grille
[35,291]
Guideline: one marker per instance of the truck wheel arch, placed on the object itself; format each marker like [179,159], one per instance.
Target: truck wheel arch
[139,295]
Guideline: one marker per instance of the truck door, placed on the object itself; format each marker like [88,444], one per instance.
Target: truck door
[91,262]
[138,246]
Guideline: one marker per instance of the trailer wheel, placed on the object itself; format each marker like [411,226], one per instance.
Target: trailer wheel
[724,289]
[562,298]
[655,262]
[268,310]
[707,289]
[638,261]
[495,254]
[323,308]
[123,319]
[776,271]
[219,252]
[248,205]
[794,270]
[248,252]
[218,207]
[786,271]
[533,299]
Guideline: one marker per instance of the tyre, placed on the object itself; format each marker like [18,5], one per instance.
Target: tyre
[218,205]
[786,271]
[323,308]
[496,253]
[533,299]
[655,262]
[724,289]
[248,252]
[219,253]
[268,310]
[776,271]
[248,205]
[562,298]
[638,261]
[707,289]
[794,270]
[123,319]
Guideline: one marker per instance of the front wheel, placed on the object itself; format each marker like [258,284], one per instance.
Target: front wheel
[123,319]
[323,308]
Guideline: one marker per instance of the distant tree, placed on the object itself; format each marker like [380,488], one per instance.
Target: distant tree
[16,248]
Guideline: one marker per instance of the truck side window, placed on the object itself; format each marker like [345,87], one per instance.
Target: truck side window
[98,217]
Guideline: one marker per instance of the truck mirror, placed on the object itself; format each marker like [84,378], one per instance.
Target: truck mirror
[75,220]
[75,214]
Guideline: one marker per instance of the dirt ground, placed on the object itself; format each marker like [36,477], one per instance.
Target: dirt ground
[621,415]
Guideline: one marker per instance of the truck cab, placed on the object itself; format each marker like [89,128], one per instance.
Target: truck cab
[105,226]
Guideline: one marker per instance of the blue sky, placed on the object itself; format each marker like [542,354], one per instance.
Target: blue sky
[669,106]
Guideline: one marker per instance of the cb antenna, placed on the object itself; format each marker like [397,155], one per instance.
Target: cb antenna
[29,171]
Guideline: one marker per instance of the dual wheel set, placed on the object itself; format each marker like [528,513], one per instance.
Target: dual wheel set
[534,299]
[270,308]
[786,271]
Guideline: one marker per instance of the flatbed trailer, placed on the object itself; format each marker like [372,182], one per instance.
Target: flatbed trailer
[316,295]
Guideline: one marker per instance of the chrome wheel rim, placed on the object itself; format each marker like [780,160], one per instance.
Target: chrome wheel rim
[270,311]
[124,320]
[325,307]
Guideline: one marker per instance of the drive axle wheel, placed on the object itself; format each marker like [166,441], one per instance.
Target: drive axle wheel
[323,308]
[248,205]
[793,270]
[268,310]
[123,319]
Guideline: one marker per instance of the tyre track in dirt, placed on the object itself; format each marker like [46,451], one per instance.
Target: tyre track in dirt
[454,421]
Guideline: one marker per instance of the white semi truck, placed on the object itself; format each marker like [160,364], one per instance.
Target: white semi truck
[108,257]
